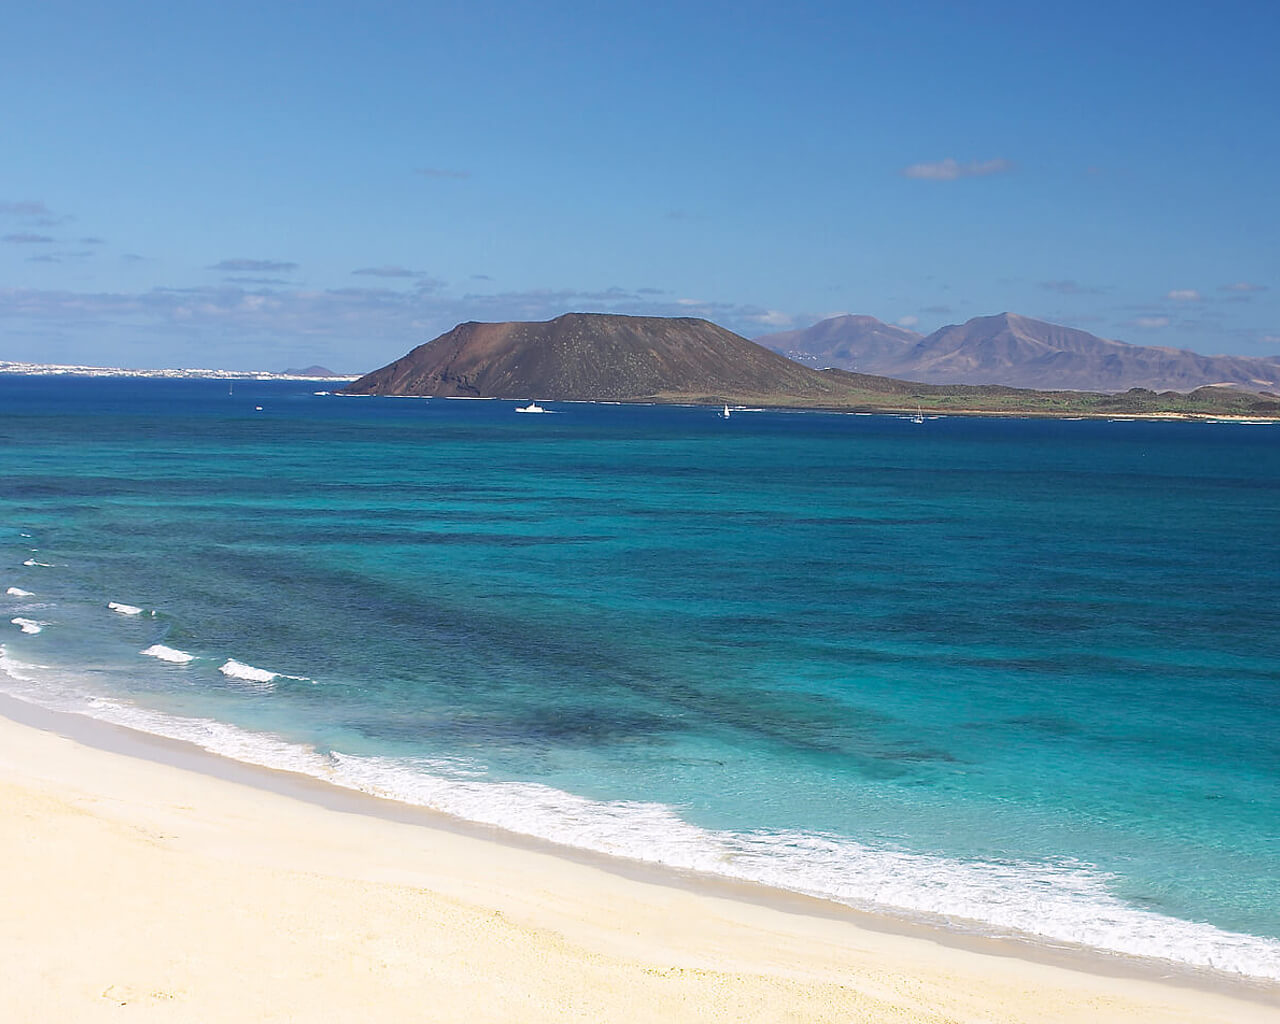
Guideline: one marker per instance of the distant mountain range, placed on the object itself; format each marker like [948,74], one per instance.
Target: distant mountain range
[601,357]
[1015,351]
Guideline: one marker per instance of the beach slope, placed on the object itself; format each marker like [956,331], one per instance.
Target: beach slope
[136,890]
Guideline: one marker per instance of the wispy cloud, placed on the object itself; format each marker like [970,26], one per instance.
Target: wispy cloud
[1243,288]
[61,257]
[239,266]
[938,310]
[387,271]
[441,172]
[1183,295]
[25,208]
[910,320]
[950,169]
[33,212]
[377,323]
[25,238]
[1069,287]
[1151,323]
[93,241]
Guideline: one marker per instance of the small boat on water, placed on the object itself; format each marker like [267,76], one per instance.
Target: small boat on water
[919,416]
[725,415]
[531,407]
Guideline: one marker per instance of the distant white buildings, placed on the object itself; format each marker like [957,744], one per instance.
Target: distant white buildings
[58,370]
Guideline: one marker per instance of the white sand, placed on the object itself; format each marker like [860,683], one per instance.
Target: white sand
[132,890]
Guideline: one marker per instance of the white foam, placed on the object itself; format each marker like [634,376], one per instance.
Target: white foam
[171,654]
[18,592]
[239,670]
[247,673]
[14,669]
[44,565]
[124,609]
[29,625]
[1059,900]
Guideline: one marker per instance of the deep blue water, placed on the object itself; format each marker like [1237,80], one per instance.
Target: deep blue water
[1019,673]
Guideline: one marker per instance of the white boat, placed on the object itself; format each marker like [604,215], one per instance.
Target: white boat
[725,415]
[918,417]
[531,407]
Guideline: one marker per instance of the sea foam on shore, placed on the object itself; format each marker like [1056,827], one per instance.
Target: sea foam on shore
[1060,901]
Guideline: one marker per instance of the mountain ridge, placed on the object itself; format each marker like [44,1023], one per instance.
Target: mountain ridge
[1017,351]
[605,357]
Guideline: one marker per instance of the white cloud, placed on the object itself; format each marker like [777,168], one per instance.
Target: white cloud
[1184,295]
[1152,322]
[951,169]
[1243,286]
[773,318]
[908,320]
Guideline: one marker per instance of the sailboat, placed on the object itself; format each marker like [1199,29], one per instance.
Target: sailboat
[725,415]
[918,417]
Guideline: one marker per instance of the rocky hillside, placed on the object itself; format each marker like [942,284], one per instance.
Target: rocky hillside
[598,357]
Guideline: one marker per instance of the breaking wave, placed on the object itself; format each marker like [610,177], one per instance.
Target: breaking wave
[170,654]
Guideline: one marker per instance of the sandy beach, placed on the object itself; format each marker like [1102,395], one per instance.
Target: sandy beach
[140,890]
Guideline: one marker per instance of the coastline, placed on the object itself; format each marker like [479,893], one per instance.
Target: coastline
[202,886]
[916,402]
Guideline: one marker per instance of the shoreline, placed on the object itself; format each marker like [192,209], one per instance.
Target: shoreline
[894,411]
[152,759]
[700,402]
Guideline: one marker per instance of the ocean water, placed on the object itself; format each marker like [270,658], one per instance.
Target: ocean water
[1015,676]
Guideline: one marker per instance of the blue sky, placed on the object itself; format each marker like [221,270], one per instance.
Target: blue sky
[262,185]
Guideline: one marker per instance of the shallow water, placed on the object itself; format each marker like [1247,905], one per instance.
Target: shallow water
[1020,673]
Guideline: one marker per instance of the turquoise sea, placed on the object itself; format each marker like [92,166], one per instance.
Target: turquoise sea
[1018,676]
